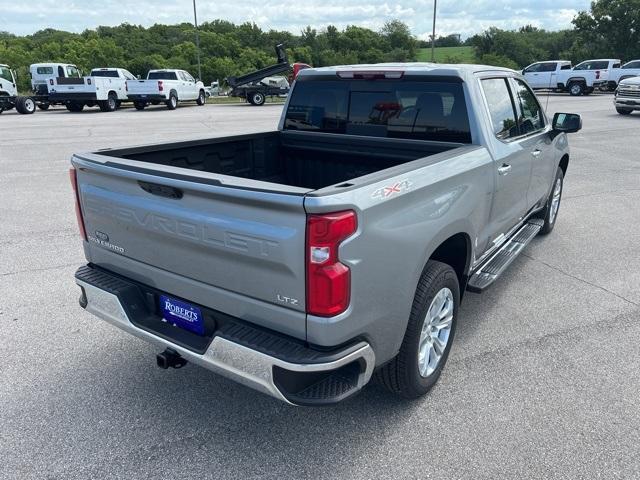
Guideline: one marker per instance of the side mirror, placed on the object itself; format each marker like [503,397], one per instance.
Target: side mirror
[567,122]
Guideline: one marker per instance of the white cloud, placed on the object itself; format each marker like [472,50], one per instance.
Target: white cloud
[454,16]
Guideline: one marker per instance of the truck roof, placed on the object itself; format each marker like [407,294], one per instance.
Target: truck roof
[107,69]
[3,65]
[167,70]
[416,68]
[48,64]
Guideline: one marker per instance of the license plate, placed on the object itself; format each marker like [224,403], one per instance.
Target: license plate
[182,314]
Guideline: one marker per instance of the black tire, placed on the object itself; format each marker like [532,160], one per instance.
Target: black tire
[25,105]
[623,111]
[202,98]
[172,103]
[139,105]
[44,106]
[548,215]
[575,89]
[257,99]
[19,105]
[75,107]
[402,374]
[588,91]
[110,104]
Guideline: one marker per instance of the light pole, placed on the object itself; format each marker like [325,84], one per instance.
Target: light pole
[195,23]
[433,34]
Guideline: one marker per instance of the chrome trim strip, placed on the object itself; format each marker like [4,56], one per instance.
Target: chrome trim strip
[239,363]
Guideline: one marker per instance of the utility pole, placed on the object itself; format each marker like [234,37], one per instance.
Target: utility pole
[433,34]
[195,23]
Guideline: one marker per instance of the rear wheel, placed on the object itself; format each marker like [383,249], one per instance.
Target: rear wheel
[623,111]
[139,105]
[172,103]
[75,107]
[25,105]
[202,99]
[576,89]
[110,104]
[257,98]
[429,335]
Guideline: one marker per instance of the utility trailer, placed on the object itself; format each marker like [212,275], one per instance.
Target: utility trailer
[252,86]
[9,98]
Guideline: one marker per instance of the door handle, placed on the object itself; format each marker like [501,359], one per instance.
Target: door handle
[504,169]
[536,153]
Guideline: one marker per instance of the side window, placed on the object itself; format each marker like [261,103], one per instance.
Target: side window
[500,106]
[183,76]
[530,116]
[566,66]
[616,65]
[631,65]
[548,67]
[189,77]
[533,68]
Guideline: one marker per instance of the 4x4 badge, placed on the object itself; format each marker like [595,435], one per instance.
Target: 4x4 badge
[398,187]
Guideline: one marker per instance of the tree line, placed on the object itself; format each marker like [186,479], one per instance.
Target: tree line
[611,28]
[226,48]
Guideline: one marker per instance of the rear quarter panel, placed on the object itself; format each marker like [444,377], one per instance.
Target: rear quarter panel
[441,196]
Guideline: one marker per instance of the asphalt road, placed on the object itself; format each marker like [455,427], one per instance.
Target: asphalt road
[543,380]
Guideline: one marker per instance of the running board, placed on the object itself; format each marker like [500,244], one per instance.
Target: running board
[490,271]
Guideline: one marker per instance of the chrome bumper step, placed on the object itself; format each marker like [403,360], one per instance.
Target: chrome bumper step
[490,271]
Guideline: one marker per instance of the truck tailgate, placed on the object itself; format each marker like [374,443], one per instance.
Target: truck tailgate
[248,244]
[142,87]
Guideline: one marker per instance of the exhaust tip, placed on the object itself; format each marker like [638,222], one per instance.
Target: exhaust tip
[170,358]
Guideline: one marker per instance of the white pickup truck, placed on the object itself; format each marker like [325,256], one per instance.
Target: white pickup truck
[168,86]
[585,77]
[628,70]
[544,75]
[104,87]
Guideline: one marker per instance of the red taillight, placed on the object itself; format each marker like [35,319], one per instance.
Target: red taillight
[328,280]
[73,176]
[160,86]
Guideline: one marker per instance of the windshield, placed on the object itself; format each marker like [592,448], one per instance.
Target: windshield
[104,73]
[422,110]
[5,74]
[162,76]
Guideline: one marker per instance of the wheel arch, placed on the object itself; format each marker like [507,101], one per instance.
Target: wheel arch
[455,251]
[564,163]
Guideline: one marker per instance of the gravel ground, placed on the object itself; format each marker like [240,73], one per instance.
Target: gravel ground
[542,381]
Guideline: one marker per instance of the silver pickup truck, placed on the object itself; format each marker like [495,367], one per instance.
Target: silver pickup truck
[301,262]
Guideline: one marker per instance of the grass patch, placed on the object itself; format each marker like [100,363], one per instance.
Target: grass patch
[448,55]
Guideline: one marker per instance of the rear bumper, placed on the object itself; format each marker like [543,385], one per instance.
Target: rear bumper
[136,97]
[273,364]
[72,97]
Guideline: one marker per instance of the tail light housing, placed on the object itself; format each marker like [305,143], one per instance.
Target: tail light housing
[328,280]
[160,86]
[126,86]
[73,176]
[51,81]
[597,74]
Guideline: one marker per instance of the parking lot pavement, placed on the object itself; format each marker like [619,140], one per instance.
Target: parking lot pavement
[542,381]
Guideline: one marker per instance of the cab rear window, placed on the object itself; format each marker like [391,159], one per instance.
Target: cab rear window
[104,73]
[162,76]
[418,110]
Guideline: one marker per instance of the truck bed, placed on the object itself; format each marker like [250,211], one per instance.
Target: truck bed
[297,159]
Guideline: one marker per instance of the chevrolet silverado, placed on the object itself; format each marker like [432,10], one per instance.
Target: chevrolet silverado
[303,261]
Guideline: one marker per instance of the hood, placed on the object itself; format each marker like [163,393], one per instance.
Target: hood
[630,81]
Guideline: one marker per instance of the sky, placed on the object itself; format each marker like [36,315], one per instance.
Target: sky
[465,17]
